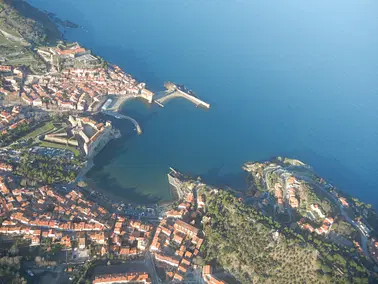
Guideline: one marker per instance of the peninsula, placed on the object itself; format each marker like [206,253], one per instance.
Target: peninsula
[66,80]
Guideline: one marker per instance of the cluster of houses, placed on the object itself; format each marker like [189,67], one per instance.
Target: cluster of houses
[287,195]
[324,228]
[72,87]
[374,249]
[133,277]
[6,167]
[291,189]
[72,221]
[42,213]
[316,213]
[79,88]
[130,237]
[10,118]
[10,79]
[177,242]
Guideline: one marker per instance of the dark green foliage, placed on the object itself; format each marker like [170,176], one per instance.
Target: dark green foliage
[14,134]
[9,270]
[45,169]
[256,249]
[32,24]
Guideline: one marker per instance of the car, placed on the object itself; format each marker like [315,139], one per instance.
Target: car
[30,272]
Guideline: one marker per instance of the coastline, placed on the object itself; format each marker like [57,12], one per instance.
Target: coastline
[120,104]
[294,218]
[90,160]
[120,101]
[173,198]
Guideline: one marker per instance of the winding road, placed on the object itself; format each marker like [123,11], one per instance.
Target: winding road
[364,239]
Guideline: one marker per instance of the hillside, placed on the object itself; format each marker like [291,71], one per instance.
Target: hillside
[22,27]
[256,249]
[24,20]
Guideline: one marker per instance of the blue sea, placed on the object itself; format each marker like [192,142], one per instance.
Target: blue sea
[290,78]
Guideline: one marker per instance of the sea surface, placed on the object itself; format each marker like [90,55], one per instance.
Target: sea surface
[291,78]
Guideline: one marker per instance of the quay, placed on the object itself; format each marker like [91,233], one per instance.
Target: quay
[174,91]
[121,116]
[177,182]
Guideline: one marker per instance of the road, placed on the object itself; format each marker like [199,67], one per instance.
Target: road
[280,172]
[364,239]
[149,260]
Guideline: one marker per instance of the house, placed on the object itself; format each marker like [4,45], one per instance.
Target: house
[188,255]
[293,202]
[37,102]
[182,268]
[178,238]
[324,229]
[343,202]
[184,205]
[166,231]
[155,246]
[207,270]
[117,227]
[6,167]
[174,214]
[82,241]
[316,208]
[308,227]
[98,238]
[142,243]
[186,228]
[134,277]
[167,259]
[6,68]
[291,180]
[128,251]
[26,99]
[35,241]
[208,277]
[178,277]
[66,242]
[200,201]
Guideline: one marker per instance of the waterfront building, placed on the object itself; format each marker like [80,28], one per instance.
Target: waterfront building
[134,277]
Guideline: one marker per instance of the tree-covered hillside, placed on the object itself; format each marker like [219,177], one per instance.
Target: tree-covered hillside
[18,17]
[255,249]
[22,27]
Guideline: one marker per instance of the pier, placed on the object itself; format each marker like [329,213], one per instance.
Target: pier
[121,116]
[174,91]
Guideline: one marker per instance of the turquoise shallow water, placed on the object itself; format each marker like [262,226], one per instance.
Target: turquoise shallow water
[292,78]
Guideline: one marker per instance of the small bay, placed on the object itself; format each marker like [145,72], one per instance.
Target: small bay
[294,79]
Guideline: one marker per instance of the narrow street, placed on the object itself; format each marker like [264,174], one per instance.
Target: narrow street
[149,260]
